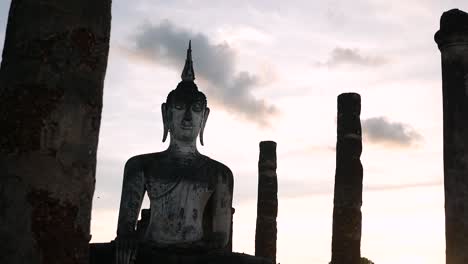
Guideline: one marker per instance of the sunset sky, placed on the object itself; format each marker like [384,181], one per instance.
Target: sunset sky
[272,70]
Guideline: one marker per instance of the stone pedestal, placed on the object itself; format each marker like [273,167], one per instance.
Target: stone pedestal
[103,253]
[452,39]
[346,241]
[267,206]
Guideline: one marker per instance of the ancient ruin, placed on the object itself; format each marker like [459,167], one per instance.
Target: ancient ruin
[452,39]
[267,205]
[190,194]
[346,241]
[190,215]
[51,85]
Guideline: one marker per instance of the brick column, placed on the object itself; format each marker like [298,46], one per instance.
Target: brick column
[267,206]
[452,39]
[346,241]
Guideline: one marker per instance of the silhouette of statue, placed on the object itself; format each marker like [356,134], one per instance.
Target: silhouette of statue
[190,194]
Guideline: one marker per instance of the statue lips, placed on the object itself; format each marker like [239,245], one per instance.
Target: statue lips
[186,125]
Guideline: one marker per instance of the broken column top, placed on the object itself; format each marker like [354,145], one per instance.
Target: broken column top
[267,150]
[268,145]
[349,103]
[453,28]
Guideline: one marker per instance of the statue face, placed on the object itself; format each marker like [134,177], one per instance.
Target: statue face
[186,118]
[185,113]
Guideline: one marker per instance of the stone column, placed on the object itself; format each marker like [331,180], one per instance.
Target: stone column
[231,234]
[267,205]
[346,241]
[51,85]
[452,39]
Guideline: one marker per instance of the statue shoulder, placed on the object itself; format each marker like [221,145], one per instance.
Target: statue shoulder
[221,170]
[220,167]
[143,160]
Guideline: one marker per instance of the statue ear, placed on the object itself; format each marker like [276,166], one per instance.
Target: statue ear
[165,121]
[205,117]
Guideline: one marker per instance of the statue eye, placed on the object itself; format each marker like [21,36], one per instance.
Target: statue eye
[179,106]
[197,107]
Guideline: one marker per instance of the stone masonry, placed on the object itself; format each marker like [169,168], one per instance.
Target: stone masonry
[452,39]
[267,206]
[346,241]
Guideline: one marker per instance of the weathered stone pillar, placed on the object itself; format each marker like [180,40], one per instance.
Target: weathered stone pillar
[346,241]
[267,205]
[231,234]
[452,39]
[51,85]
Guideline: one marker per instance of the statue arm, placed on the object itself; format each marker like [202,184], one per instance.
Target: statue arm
[222,205]
[133,190]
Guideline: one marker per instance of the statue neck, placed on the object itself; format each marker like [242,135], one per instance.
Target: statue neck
[183,149]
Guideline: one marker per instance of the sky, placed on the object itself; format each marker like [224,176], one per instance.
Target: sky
[272,70]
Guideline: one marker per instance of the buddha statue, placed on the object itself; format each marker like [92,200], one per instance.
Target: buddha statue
[190,194]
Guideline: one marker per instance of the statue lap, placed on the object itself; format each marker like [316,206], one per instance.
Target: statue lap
[184,198]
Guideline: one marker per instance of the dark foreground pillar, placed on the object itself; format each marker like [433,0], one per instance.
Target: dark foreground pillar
[51,85]
[452,39]
[346,241]
[267,206]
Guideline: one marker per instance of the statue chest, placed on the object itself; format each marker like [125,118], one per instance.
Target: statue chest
[177,209]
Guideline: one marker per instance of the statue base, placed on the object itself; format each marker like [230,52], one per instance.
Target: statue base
[103,253]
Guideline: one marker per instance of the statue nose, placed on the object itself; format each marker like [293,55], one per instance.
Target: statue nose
[188,115]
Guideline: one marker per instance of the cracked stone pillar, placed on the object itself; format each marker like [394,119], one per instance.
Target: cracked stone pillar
[229,245]
[267,205]
[51,85]
[452,39]
[346,241]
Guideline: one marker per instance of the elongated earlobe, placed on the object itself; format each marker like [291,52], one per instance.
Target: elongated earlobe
[165,121]
[205,117]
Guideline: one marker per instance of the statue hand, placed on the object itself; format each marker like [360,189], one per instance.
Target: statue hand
[125,250]
[215,241]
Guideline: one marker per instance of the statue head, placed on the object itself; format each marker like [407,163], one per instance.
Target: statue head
[185,111]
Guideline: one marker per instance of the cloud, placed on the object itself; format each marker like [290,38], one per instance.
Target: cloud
[382,131]
[166,44]
[340,56]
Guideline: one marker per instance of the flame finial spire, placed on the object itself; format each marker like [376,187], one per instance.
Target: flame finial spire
[188,74]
